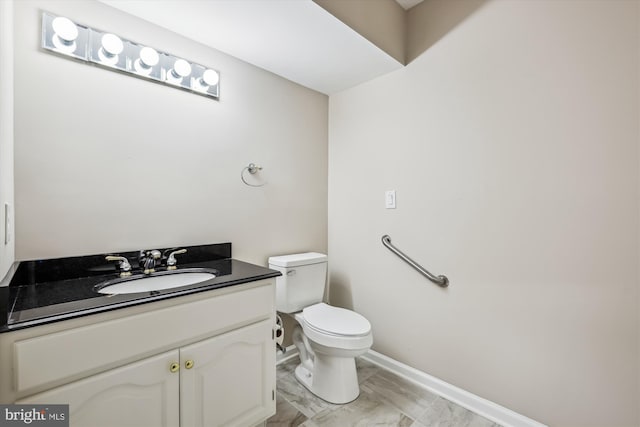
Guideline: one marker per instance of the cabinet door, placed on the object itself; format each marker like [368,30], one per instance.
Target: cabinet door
[232,379]
[140,394]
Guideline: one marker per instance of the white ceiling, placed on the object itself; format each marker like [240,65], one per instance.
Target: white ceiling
[297,40]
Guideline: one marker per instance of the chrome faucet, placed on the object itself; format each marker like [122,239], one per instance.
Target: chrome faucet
[148,260]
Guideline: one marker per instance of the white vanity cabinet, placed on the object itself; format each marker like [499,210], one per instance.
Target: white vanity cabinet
[205,359]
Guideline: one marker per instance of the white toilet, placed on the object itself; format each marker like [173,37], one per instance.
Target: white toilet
[327,338]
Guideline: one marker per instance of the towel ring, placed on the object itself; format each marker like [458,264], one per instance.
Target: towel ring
[252,168]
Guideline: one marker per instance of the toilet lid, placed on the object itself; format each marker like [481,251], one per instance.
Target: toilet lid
[335,320]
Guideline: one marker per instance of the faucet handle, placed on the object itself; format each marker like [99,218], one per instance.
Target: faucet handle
[171,260]
[125,267]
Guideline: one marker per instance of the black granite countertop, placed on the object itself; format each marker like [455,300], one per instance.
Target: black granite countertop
[48,291]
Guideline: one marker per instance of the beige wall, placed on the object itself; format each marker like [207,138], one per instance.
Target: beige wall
[107,162]
[6,133]
[433,20]
[512,143]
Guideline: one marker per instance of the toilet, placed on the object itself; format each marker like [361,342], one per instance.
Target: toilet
[328,338]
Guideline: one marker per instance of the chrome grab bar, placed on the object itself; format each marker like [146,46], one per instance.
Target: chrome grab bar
[438,280]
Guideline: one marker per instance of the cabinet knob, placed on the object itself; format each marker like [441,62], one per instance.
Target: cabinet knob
[174,367]
[188,364]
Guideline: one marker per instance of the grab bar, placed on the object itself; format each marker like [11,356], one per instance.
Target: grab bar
[438,280]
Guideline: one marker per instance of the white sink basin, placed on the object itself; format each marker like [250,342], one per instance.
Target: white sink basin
[156,283]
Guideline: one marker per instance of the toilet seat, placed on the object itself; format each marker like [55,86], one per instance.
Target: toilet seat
[335,321]
[335,328]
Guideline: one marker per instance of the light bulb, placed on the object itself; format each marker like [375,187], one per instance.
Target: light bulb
[112,46]
[148,59]
[149,56]
[65,34]
[209,78]
[65,29]
[181,69]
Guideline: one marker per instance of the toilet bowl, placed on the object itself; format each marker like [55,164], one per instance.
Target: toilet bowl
[327,338]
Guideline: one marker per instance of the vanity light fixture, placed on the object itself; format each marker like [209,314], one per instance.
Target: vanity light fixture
[64,37]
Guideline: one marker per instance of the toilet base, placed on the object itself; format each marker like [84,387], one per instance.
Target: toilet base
[334,379]
[304,377]
[328,365]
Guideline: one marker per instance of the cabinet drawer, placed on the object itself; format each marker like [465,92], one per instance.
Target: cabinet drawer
[50,360]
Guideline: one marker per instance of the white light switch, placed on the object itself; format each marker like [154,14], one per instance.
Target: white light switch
[390,199]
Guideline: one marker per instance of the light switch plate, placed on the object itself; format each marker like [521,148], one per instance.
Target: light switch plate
[390,199]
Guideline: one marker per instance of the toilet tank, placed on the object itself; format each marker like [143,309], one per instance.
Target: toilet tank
[302,281]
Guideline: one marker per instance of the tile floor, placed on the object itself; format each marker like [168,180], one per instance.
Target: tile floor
[385,400]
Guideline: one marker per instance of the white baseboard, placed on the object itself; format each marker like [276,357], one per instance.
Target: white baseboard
[491,411]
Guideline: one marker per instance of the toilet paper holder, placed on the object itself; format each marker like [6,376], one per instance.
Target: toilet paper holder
[279,334]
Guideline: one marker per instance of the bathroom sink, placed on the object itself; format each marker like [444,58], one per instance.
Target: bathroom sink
[156,281]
